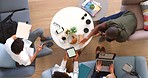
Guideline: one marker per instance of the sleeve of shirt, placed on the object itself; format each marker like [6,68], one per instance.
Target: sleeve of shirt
[95,74]
[63,64]
[8,44]
[24,59]
[76,69]
[27,62]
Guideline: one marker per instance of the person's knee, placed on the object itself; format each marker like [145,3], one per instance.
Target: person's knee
[39,30]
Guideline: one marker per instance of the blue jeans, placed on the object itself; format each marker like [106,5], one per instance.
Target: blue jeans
[114,16]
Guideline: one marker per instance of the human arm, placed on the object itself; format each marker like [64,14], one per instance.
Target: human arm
[39,48]
[97,69]
[111,76]
[94,32]
[95,74]
[111,69]
[76,68]
[64,61]
[14,37]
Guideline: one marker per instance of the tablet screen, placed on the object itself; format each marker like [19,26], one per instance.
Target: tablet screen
[71,52]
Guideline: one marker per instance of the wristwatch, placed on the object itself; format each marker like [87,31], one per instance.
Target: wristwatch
[97,70]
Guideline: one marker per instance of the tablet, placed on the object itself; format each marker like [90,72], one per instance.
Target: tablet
[71,52]
[127,67]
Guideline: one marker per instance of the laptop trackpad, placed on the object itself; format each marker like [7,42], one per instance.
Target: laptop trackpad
[105,68]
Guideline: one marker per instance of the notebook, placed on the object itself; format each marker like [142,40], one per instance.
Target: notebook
[83,71]
[107,59]
[23,30]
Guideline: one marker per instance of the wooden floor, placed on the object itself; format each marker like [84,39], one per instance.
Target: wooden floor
[41,13]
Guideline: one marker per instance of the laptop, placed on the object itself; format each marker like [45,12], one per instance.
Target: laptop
[107,59]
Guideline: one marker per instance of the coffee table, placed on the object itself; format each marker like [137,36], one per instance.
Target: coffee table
[102,12]
[67,18]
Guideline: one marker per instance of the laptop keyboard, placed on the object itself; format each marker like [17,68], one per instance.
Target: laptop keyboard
[107,63]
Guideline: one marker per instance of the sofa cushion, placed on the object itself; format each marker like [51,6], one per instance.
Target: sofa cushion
[19,16]
[139,35]
[119,63]
[47,73]
[127,75]
[127,2]
[5,59]
[9,5]
[137,11]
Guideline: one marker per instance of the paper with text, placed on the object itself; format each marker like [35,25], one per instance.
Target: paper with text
[23,30]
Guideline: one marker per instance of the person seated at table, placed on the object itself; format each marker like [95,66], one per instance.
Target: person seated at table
[61,71]
[117,27]
[20,49]
[97,72]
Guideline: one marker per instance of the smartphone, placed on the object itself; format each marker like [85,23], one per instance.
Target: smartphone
[42,44]
[60,30]
[127,67]
[71,52]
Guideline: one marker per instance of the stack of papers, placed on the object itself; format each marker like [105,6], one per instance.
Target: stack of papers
[23,30]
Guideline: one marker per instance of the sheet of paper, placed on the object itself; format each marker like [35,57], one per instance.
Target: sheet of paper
[23,30]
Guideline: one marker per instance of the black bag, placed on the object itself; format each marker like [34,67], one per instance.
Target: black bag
[8,27]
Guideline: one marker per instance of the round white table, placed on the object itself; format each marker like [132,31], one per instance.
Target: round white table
[67,18]
[102,12]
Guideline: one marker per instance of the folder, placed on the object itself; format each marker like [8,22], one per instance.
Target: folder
[83,71]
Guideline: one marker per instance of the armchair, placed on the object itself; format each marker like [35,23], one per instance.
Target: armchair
[138,62]
[134,6]
[6,7]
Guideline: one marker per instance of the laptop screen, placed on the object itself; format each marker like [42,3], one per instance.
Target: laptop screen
[110,56]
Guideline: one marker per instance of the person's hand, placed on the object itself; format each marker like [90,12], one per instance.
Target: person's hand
[31,29]
[98,34]
[66,57]
[111,68]
[14,37]
[99,65]
[102,34]
[39,48]
[76,57]
[84,40]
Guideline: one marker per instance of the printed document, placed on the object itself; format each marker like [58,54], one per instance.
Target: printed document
[23,30]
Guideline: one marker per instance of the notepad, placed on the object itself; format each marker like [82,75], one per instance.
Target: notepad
[23,30]
[83,71]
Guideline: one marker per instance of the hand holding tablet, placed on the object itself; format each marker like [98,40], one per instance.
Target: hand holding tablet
[71,52]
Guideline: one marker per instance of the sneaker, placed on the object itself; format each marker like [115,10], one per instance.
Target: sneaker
[47,38]
[101,39]
[49,44]
[98,50]
[103,49]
